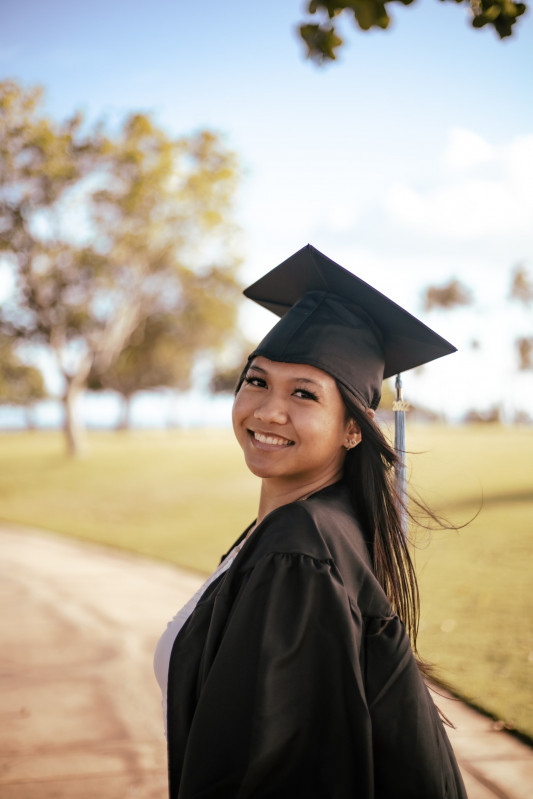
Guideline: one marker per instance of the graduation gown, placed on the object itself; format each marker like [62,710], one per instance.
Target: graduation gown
[293,678]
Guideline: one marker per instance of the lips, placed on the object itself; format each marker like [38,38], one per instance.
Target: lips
[269,441]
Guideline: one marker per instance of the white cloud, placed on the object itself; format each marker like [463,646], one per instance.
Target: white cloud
[469,206]
[466,149]
[518,160]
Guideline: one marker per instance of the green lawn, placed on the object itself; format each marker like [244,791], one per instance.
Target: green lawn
[184,496]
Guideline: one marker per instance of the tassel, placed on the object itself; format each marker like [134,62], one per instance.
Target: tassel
[400,407]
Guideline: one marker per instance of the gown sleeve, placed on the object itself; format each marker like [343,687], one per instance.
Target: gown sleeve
[279,706]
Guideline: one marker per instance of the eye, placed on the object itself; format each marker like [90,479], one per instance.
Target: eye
[251,380]
[304,393]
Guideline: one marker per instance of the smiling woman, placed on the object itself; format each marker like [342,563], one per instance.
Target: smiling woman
[291,673]
[293,429]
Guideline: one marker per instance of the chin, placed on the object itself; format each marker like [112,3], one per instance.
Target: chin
[258,471]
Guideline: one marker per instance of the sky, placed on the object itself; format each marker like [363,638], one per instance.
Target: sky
[409,160]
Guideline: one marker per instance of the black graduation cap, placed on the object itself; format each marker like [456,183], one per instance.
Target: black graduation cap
[335,321]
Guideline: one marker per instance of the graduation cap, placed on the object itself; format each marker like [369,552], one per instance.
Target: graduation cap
[335,321]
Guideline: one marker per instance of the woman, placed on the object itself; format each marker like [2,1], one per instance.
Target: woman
[291,673]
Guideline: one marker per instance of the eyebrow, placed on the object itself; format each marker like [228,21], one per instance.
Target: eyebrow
[296,379]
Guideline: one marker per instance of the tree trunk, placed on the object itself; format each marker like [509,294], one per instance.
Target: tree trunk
[124,422]
[30,419]
[72,427]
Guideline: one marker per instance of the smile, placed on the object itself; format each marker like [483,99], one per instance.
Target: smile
[270,440]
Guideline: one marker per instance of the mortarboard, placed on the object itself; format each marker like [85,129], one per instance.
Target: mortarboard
[335,321]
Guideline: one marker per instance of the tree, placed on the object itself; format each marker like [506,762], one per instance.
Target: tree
[524,346]
[40,164]
[522,291]
[224,380]
[155,237]
[521,286]
[161,212]
[158,355]
[225,376]
[20,384]
[448,296]
[149,360]
[322,39]
[453,294]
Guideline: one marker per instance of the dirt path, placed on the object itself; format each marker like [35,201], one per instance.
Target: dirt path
[80,712]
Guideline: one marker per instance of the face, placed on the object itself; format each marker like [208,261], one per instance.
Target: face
[291,423]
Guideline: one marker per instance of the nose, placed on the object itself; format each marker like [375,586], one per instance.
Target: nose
[272,410]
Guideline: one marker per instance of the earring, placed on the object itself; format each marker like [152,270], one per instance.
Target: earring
[350,443]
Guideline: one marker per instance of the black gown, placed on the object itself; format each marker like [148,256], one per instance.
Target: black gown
[292,678]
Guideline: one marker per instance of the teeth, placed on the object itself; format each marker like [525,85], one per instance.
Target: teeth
[280,442]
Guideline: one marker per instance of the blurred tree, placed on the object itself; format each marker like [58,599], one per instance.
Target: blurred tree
[155,239]
[151,359]
[448,296]
[453,294]
[164,197]
[20,384]
[524,346]
[228,370]
[522,291]
[224,380]
[521,286]
[322,39]
[492,416]
[40,164]
[159,353]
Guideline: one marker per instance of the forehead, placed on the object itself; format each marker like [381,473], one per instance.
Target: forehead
[293,371]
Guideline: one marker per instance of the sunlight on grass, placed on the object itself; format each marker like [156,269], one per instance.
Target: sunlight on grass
[476,624]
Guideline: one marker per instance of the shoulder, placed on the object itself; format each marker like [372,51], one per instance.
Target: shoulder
[322,528]
[306,527]
[325,521]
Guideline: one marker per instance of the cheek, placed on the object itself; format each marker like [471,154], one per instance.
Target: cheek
[335,434]
[235,415]
[323,432]
[238,413]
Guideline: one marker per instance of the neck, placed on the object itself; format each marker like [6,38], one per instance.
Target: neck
[274,495]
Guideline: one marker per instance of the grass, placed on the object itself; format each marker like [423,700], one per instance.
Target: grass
[177,496]
[475,582]
[184,496]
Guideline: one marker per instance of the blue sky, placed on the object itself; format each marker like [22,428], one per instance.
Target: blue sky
[409,161]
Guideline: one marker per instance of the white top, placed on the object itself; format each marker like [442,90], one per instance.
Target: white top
[166,642]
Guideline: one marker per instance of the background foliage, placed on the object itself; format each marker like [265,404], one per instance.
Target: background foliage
[322,39]
[115,243]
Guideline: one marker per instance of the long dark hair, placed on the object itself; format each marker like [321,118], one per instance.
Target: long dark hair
[369,476]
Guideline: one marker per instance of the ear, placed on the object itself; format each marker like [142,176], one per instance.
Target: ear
[353,435]
[352,428]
